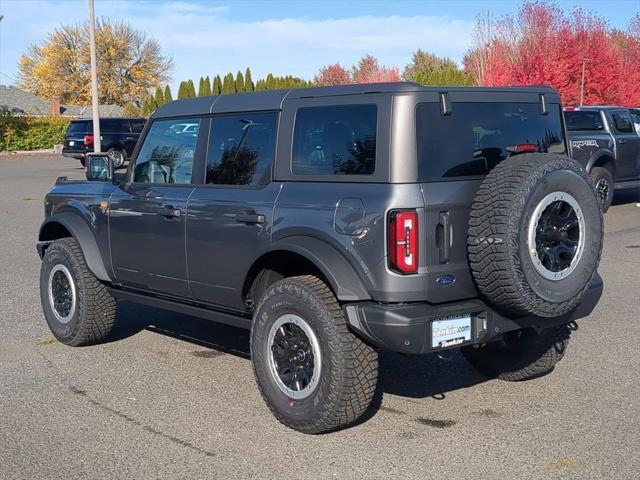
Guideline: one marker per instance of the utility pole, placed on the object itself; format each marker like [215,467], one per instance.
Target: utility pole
[584,63]
[94,80]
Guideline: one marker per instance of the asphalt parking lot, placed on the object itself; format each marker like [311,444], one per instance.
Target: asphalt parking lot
[172,396]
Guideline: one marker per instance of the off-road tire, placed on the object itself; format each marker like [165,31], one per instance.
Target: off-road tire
[500,258]
[529,354]
[600,174]
[349,372]
[95,310]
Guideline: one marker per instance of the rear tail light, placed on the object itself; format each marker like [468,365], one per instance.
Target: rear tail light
[88,140]
[526,147]
[403,241]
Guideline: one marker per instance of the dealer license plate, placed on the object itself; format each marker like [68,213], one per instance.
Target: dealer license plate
[450,331]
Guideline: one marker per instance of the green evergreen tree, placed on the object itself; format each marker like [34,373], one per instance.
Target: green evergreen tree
[159,97]
[217,85]
[248,82]
[260,85]
[270,82]
[182,90]
[229,84]
[239,82]
[167,95]
[191,89]
[205,87]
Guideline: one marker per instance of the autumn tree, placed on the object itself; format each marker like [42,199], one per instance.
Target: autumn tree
[367,70]
[429,69]
[129,64]
[541,44]
[334,74]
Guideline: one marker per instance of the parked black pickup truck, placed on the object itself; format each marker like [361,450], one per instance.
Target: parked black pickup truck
[606,141]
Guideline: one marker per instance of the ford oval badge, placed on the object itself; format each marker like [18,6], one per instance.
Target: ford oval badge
[445,280]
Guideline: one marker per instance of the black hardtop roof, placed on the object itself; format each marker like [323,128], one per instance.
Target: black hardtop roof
[89,119]
[273,99]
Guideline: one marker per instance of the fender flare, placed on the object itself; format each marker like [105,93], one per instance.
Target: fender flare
[346,283]
[597,155]
[82,234]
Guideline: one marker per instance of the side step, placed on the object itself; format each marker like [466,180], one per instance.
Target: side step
[209,313]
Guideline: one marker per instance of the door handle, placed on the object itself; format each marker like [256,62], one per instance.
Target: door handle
[170,211]
[250,218]
[444,236]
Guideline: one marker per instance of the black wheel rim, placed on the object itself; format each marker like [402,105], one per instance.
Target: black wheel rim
[602,187]
[556,234]
[294,356]
[62,293]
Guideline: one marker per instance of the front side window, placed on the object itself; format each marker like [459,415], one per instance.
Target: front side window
[335,140]
[242,149]
[167,154]
[478,136]
[622,122]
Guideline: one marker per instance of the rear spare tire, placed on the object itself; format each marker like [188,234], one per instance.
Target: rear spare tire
[535,235]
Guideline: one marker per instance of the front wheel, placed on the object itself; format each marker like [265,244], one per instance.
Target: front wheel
[520,355]
[313,373]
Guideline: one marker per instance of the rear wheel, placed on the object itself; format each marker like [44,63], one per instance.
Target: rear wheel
[603,181]
[520,355]
[117,157]
[313,373]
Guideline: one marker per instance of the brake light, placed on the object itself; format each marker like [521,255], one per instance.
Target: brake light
[526,147]
[403,241]
[88,140]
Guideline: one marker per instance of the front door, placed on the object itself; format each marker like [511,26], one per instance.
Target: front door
[627,146]
[147,214]
[230,216]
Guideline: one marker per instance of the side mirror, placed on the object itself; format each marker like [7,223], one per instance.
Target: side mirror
[99,167]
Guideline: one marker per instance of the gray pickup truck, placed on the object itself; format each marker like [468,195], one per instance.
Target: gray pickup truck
[606,141]
[334,222]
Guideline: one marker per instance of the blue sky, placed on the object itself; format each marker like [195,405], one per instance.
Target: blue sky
[283,37]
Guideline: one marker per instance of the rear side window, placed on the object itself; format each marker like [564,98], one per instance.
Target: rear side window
[79,127]
[478,136]
[242,149]
[583,120]
[622,122]
[166,156]
[335,140]
[114,125]
[137,126]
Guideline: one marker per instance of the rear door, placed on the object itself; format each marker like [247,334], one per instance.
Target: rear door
[454,153]
[74,138]
[627,145]
[230,214]
[147,214]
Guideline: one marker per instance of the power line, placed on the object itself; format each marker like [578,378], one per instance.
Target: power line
[8,76]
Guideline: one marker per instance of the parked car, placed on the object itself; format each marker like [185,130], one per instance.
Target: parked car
[118,138]
[607,143]
[333,222]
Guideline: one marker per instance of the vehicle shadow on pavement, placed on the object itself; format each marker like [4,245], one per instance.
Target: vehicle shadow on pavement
[628,195]
[413,376]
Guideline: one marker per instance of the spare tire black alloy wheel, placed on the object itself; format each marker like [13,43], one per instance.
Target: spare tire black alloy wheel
[556,235]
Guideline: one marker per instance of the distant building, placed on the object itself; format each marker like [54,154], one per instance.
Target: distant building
[22,103]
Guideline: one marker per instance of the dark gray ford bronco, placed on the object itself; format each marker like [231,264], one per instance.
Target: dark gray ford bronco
[333,222]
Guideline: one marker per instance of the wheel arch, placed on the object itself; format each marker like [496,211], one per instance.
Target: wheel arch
[68,224]
[304,255]
[603,159]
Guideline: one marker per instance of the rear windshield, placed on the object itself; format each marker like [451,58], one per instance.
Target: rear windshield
[583,120]
[78,127]
[478,136]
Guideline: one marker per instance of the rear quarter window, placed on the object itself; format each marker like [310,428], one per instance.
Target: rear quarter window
[477,136]
[335,140]
[583,120]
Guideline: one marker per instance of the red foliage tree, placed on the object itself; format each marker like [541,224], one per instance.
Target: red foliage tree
[368,70]
[543,45]
[334,74]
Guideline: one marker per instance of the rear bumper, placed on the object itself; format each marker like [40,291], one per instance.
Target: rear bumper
[406,328]
[74,153]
